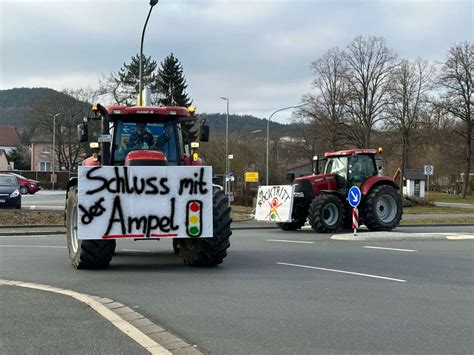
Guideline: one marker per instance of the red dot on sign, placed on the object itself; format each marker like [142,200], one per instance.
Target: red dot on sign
[194,207]
[274,203]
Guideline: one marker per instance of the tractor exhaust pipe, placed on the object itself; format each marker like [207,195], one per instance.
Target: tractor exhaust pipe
[105,146]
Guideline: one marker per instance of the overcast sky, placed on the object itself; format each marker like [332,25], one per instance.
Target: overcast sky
[256,52]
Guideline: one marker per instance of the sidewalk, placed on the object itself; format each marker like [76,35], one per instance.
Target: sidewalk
[454,205]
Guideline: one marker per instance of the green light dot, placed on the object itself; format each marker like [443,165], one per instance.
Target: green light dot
[272,216]
[194,230]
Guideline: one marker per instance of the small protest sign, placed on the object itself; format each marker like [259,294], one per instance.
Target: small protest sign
[144,202]
[274,203]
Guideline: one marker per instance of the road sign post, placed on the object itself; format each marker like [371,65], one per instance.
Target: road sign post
[355,220]
[428,171]
[354,196]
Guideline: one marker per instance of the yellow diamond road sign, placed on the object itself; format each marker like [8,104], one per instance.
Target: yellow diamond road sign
[251,176]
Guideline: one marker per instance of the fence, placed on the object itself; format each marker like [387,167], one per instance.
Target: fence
[44,178]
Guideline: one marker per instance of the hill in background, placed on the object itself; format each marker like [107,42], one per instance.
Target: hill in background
[16,106]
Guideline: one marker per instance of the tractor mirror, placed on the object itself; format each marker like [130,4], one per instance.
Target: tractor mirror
[204,133]
[82,132]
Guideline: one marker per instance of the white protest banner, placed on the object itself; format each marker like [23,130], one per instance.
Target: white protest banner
[274,203]
[145,202]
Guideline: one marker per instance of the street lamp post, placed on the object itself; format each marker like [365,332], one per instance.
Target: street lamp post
[226,146]
[54,146]
[268,134]
[140,79]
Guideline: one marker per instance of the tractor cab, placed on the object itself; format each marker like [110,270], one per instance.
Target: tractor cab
[351,167]
[145,135]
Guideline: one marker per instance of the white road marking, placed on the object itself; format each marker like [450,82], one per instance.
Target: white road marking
[138,250]
[31,246]
[460,236]
[127,328]
[396,249]
[30,236]
[343,272]
[39,207]
[289,241]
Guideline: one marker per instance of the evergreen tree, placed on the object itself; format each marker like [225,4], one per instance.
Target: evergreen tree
[123,86]
[172,83]
[20,157]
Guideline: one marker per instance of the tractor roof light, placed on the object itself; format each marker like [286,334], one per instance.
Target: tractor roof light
[380,150]
[192,110]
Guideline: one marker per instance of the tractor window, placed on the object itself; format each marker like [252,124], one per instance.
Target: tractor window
[145,136]
[361,167]
[338,166]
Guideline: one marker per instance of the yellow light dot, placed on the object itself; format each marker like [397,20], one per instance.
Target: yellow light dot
[193,219]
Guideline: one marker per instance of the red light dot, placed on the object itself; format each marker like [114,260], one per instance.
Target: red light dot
[194,207]
[274,202]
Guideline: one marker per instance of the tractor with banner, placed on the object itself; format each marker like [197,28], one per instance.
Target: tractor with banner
[145,182]
[322,198]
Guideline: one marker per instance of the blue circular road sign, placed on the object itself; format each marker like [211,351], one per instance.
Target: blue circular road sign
[354,196]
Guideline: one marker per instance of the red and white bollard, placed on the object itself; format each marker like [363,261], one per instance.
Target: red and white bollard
[355,220]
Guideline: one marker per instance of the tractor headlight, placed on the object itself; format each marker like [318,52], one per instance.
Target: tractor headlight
[15,193]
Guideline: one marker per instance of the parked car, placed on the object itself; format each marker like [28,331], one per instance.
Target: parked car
[10,195]
[27,186]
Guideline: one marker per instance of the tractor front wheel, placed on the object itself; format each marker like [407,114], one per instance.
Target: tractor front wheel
[84,254]
[326,214]
[210,251]
[382,208]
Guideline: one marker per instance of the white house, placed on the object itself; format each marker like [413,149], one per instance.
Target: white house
[414,183]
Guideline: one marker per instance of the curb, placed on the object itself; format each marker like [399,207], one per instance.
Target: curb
[149,335]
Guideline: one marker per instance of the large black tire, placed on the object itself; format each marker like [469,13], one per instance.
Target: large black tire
[347,223]
[292,226]
[326,214]
[84,254]
[382,209]
[210,251]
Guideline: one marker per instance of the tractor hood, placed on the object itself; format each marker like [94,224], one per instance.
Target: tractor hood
[145,158]
[314,184]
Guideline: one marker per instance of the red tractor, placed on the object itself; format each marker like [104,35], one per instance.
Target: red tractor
[146,136]
[322,199]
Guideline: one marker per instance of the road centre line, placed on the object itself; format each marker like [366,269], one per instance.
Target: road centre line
[137,250]
[395,249]
[31,246]
[343,272]
[289,241]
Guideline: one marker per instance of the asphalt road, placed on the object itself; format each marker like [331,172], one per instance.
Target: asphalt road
[277,292]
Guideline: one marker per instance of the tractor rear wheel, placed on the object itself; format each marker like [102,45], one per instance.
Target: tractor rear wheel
[210,251]
[326,214]
[292,226]
[84,254]
[382,208]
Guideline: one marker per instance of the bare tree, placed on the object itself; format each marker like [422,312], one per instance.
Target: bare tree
[71,111]
[407,98]
[368,64]
[324,109]
[455,80]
